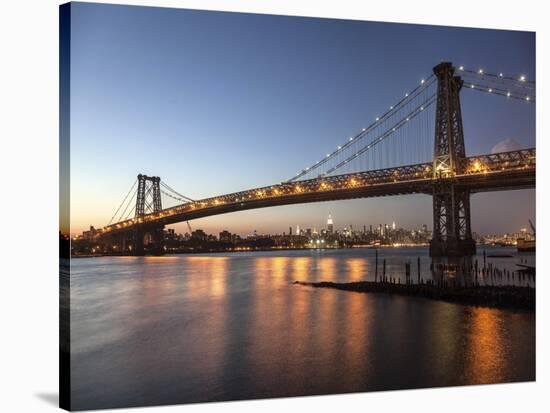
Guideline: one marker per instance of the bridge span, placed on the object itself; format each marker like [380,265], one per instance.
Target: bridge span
[501,171]
[390,149]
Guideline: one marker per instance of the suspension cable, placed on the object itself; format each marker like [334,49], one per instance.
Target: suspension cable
[174,197]
[127,206]
[520,80]
[415,112]
[500,92]
[127,216]
[176,192]
[503,86]
[425,83]
[122,203]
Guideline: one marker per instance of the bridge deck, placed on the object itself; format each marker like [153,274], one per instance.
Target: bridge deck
[507,170]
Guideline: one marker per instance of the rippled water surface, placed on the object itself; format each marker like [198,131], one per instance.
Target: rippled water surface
[177,329]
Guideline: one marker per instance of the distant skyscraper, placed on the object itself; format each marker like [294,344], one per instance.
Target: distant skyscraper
[330,224]
[290,231]
[297,229]
[393,225]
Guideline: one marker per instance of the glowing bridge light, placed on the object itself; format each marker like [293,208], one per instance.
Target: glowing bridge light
[328,154]
[501,75]
[391,107]
[480,71]
[406,95]
[461,68]
[527,98]
[339,147]
[408,119]
[508,94]
[522,78]
[364,129]
[472,86]
[351,138]
[490,90]
[422,81]
[377,119]
[421,107]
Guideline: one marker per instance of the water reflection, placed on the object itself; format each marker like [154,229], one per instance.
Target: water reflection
[327,269]
[301,268]
[197,328]
[485,361]
[356,269]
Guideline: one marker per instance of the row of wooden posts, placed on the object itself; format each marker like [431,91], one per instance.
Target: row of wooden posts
[487,272]
[407,270]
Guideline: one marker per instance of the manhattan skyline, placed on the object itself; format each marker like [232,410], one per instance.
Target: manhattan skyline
[219,102]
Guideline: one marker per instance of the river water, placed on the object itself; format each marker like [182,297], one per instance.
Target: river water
[194,328]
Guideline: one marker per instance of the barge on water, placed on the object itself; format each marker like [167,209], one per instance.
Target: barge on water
[525,245]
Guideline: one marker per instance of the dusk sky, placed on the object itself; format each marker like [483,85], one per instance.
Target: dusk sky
[217,102]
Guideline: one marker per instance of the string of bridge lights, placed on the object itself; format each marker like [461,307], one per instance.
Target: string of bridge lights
[500,76]
[409,96]
[414,113]
[498,91]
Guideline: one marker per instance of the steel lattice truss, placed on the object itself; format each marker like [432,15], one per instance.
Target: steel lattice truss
[148,195]
[521,159]
[401,180]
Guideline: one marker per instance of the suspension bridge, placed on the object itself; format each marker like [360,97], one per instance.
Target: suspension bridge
[415,147]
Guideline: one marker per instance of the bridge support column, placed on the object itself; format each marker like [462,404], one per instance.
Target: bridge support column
[452,234]
[139,246]
[148,201]
[157,235]
[155,240]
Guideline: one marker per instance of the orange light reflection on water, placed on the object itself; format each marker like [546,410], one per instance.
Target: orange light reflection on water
[327,269]
[356,269]
[485,359]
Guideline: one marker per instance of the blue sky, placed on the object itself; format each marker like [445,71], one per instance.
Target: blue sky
[218,102]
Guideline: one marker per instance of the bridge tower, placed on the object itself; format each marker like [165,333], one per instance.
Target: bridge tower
[148,200]
[452,234]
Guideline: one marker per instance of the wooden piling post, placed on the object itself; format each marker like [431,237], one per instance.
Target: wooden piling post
[376,267]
